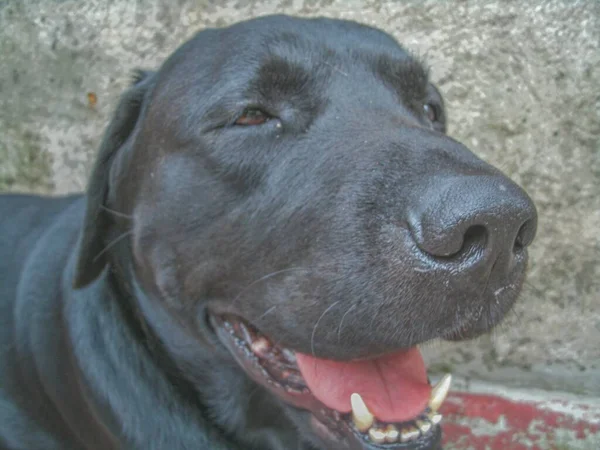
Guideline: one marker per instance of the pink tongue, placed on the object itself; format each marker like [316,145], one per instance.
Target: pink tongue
[394,387]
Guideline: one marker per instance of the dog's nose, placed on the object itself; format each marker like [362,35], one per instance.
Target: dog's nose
[461,216]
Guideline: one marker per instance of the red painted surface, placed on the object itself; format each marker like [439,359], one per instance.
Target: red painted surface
[488,422]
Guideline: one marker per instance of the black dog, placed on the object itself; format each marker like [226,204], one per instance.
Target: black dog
[276,219]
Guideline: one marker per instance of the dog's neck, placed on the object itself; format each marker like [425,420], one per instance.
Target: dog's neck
[139,365]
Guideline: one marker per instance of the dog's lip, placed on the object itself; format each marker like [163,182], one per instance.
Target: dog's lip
[422,432]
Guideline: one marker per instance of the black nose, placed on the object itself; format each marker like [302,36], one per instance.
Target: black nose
[473,215]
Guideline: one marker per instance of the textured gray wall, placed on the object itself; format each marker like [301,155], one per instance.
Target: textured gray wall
[521,81]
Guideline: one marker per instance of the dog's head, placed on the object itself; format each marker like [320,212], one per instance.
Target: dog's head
[284,191]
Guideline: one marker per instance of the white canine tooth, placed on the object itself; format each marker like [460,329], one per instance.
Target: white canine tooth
[391,434]
[434,418]
[439,392]
[362,417]
[377,435]
[410,433]
[423,426]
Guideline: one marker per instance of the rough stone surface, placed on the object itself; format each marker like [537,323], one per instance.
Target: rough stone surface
[521,80]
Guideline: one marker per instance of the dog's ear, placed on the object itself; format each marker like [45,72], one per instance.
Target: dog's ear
[91,259]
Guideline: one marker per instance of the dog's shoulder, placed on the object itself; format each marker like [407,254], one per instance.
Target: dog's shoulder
[24,219]
[33,230]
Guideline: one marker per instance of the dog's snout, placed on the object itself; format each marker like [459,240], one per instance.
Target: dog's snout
[461,217]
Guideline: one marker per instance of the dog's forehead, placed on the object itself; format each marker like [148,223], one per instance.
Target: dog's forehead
[224,67]
[246,45]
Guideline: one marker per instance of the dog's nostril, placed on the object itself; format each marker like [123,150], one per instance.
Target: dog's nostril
[475,238]
[518,244]
[524,236]
[474,233]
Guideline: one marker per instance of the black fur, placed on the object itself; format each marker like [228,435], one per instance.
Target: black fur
[348,226]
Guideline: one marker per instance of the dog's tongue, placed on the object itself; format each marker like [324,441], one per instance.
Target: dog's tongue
[394,387]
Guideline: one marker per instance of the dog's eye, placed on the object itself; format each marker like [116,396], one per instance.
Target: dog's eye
[253,116]
[431,112]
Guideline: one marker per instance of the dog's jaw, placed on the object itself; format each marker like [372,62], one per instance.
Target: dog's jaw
[277,369]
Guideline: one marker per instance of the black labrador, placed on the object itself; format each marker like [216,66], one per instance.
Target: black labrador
[275,221]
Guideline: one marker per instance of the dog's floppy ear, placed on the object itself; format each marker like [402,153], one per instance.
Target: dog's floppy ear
[91,259]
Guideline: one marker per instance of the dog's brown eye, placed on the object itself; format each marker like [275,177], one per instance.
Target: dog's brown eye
[252,116]
[430,112]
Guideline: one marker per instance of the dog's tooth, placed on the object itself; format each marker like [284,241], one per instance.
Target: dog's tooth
[362,417]
[423,426]
[409,434]
[245,333]
[289,355]
[260,346]
[439,392]
[434,418]
[377,435]
[391,434]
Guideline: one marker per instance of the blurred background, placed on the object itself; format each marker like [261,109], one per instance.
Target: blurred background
[522,86]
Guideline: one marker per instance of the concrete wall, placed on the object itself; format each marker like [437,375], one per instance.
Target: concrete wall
[522,83]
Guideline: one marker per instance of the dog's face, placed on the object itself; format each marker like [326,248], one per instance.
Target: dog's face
[293,197]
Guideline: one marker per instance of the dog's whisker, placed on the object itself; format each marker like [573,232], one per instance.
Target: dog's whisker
[111,244]
[514,314]
[537,291]
[339,331]
[268,311]
[116,213]
[314,332]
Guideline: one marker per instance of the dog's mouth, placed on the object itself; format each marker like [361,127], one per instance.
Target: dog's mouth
[385,402]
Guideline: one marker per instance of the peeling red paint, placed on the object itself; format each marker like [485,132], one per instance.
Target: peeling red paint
[482,421]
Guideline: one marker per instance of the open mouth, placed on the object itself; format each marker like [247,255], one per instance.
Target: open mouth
[385,402]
